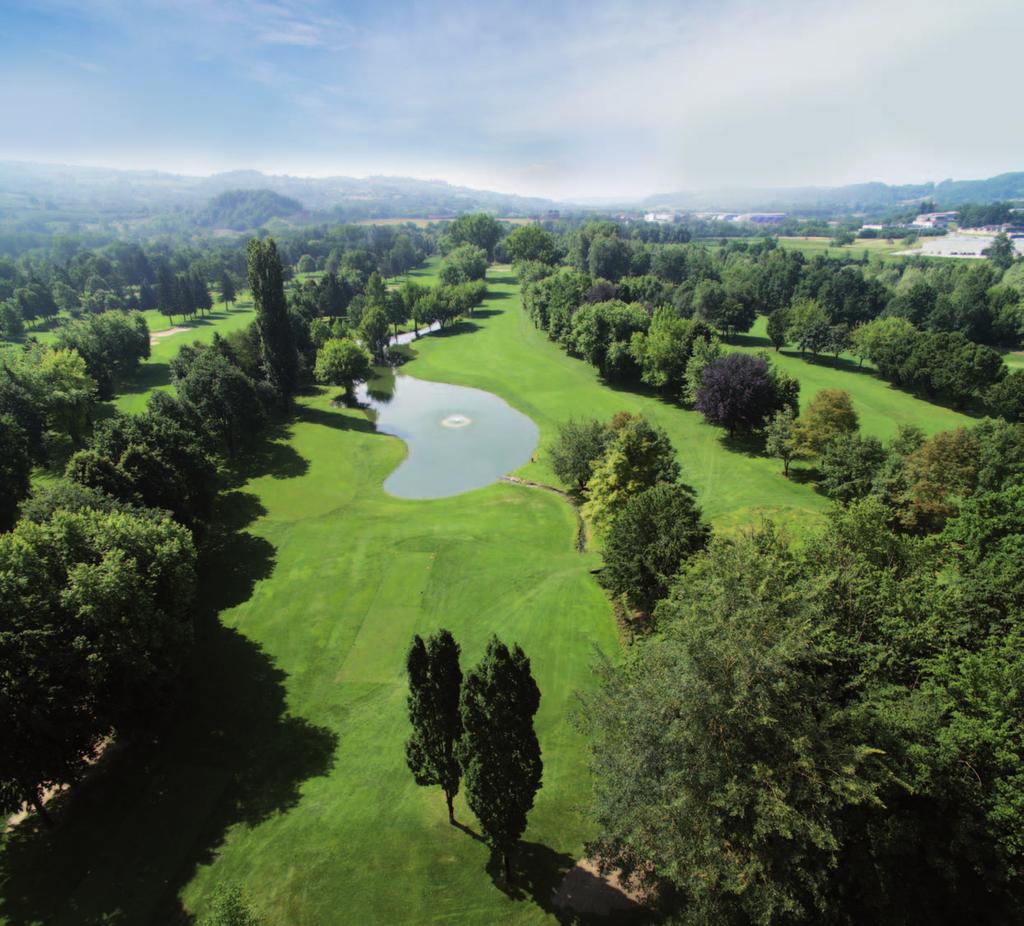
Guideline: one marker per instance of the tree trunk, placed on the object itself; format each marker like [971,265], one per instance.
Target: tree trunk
[37,803]
[451,810]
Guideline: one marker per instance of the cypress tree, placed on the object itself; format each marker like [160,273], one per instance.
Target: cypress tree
[227,288]
[277,343]
[200,291]
[435,680]
[498,750]
[184,298]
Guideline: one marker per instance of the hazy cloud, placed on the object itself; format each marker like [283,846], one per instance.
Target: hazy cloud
[567,99]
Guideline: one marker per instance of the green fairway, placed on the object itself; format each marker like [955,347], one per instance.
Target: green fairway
[500,350]
[155,371]
[283,768]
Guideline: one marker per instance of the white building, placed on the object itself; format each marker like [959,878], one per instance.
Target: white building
[935,219]
[662,218]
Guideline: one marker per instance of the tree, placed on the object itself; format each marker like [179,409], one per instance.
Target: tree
[809,326]
[93,633]
[724,745]
[829,414]
[713,303]
[277,343]
[886,342]
[1007,396]
[578,447]
[12,325]
[464,263]
[637,457]
[374,331]
[782,438]
[478,228]
[656,532]
[608,257]
[498,751]
[532,242]
[778,324]
[737,392]
[111,344]
[435,683]
[849,466]
[226,402]
[706,349]
[1001,252]
[663,352]
[227,288]
[342,362]
[200,291]
[15,469]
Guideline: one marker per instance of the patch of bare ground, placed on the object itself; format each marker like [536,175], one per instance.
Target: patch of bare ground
[585,891]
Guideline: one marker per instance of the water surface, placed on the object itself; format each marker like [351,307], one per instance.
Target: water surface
[458,438]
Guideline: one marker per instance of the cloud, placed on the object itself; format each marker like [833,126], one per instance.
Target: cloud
[599,98]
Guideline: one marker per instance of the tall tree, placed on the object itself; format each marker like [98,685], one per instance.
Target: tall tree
[499,752]
[266,281]
[657,531]
[435,682]
[227,288]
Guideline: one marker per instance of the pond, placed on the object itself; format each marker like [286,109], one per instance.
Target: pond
[457,438]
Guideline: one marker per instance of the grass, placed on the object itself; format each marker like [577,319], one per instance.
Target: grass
[500,350]
[813,246]
[155,372]
[282,770]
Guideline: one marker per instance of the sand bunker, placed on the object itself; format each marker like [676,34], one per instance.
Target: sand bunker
[156,336]
[456,421]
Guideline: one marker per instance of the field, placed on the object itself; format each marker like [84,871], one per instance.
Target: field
[283,769]
[811,247]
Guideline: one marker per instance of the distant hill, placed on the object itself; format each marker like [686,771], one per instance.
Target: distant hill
[50,193]
[245,209]
[858,197]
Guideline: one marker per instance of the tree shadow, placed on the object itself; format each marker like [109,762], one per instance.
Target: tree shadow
[749,444]
[131,836]
[150,375]
[539,873]
[334,419]
[271,454]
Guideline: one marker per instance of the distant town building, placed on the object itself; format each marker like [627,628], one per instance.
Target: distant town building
[757,218]
[935,219]
[662,218]
[761,218]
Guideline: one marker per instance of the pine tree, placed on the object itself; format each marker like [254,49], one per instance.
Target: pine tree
[435,680]
[227,288]
[200,291]
[277,343]
[184,298]
[498,751]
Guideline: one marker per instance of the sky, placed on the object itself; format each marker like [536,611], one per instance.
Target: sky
[568,100]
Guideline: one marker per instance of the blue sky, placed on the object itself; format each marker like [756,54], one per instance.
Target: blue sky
[585,99]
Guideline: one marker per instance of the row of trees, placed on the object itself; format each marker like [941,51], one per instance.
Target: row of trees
[97,578]
[478,731]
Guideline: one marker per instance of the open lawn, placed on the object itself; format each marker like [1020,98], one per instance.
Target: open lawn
[282,770]
[811,247]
